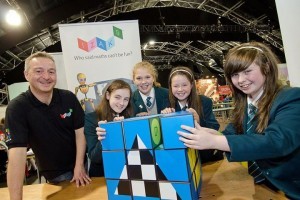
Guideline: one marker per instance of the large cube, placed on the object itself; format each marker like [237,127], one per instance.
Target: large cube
[143,158]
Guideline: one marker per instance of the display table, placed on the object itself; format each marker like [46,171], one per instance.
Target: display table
[230,180]
[65,190]
[221,180]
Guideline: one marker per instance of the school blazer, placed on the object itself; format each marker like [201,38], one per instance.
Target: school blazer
[277,150]
[208,119]
[161,98]
[94,147]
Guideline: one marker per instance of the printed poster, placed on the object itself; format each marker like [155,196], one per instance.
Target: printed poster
[96,53]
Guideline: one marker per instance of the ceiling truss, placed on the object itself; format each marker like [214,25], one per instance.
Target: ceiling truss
[49,36]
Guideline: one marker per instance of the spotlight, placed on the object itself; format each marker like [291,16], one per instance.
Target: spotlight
[13,18]
[151,42]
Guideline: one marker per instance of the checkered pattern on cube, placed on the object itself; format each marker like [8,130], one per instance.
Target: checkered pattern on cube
[141,165]
[148,171]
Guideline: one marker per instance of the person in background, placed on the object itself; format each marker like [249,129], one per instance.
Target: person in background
[149,98]
[2,129]
[3,153]
[183,96]
[265,125]
[51,122]
[114,106]
[2,121]
[2,133]
[227,99]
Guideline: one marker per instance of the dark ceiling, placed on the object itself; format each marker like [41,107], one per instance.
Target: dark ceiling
[194,32]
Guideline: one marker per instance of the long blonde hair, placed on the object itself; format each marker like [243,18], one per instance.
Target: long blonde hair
[239,59]
[152,70]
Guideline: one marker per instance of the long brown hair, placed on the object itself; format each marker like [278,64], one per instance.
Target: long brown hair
[239,59]
[104,111]
[193,99]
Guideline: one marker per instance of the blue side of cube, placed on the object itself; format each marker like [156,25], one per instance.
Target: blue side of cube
[137,128]
[114,136]
[173,164]
[111,189]
[113,164]
[176,166]
[182,190]
[170,124]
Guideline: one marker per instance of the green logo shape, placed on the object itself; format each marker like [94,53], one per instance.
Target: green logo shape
[155,132]
[118,32]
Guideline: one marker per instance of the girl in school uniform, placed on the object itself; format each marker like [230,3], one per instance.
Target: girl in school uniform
[265,126]
[149,98]
[114,106]
[183,96]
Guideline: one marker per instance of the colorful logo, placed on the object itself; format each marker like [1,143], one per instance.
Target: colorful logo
[100,43]
[63,116]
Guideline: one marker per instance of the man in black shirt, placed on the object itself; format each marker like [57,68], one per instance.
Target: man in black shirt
[51,122]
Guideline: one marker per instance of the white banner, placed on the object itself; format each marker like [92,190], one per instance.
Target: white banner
[60,70]
[288,15]
[16,89]
[96,53]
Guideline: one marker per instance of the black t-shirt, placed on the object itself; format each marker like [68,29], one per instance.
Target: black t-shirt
[48,129]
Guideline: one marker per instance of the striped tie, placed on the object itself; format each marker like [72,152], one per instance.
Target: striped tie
[148,102]
[253,168]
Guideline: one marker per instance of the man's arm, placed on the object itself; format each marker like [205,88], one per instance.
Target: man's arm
[80,175]
[16,172]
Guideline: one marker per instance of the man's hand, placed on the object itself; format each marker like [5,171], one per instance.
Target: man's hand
[80,177]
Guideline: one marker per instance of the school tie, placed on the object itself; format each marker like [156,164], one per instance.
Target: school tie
[184,108]
[253,168]
[148,102]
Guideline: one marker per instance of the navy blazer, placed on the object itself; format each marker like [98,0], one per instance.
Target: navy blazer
[277,150]
[94,146]
[208,119]
[161,98]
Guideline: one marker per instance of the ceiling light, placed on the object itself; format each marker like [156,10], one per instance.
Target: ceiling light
[13,18]
[152,42]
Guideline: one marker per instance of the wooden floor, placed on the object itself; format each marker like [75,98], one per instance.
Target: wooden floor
[225,180]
